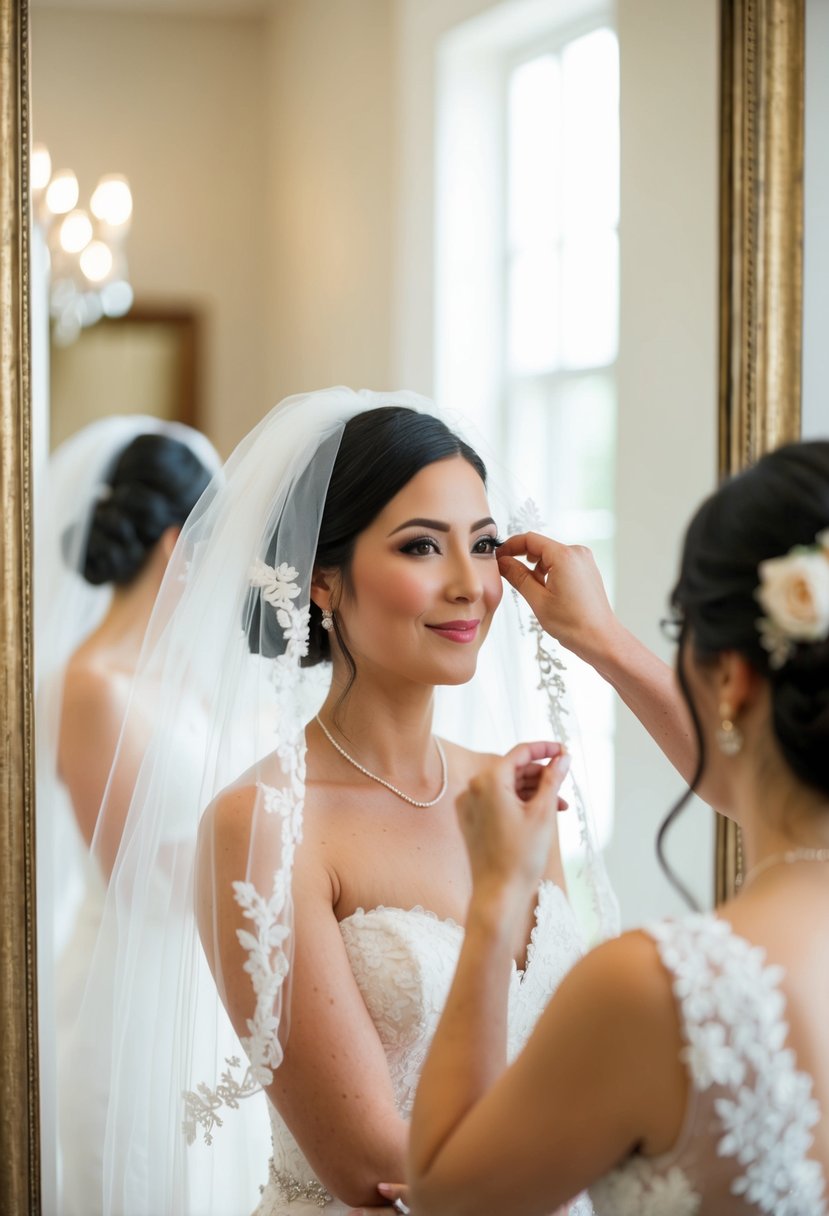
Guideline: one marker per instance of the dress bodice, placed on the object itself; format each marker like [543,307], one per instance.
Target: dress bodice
[403,962]
[744,1148]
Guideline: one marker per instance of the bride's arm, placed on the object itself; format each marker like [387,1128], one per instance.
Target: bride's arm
[333,1087]
[565,591]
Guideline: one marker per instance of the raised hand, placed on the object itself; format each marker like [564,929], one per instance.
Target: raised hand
[564,588]
[508,815]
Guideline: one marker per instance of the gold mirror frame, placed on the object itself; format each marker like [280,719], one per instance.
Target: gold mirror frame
[759,406]
[761,258]
[19,1140]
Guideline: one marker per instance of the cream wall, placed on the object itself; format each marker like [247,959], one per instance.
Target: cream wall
[330,217]
[667,438]
[178,103]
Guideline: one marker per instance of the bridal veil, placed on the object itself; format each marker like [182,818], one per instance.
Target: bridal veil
[187,1128]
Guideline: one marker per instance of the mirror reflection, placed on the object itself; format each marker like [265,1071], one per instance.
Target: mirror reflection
[510,208]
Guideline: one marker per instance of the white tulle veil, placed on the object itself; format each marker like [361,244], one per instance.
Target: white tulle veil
[187,1125]
[67,610]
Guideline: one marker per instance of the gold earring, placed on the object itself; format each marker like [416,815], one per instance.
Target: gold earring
[730,738]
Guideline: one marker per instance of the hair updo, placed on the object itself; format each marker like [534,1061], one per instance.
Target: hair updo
[781,502]
[154,486]
[380,451]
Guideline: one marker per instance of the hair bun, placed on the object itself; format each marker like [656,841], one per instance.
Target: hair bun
[117,544]
[156,482]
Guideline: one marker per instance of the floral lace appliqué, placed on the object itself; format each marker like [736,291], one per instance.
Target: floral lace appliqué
[552,669]
[752,1128]
[265,944]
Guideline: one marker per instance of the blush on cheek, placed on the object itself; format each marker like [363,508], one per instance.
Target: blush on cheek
[494,592]
[393,593]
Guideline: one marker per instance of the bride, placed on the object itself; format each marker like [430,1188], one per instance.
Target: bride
[353,540]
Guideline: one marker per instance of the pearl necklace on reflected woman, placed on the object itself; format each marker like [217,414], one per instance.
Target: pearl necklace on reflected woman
[783,859]
[382,781]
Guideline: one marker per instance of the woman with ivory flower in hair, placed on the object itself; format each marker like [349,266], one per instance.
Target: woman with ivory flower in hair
[683,1069]
[336,589]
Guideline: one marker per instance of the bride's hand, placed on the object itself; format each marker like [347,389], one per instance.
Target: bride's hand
[396,1196]
[564,588]
[508,815]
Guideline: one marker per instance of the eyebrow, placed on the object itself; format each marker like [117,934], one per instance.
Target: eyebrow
[437,525]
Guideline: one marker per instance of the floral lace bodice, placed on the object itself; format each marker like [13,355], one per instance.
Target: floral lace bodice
[404,962]
[747,1133]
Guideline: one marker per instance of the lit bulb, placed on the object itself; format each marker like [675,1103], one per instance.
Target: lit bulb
[62,192]
[116,298]
[75,232]
[111,202]
[41,167]
[96,261]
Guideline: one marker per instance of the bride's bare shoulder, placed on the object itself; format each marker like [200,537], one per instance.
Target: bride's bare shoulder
[232,808]
[465,763]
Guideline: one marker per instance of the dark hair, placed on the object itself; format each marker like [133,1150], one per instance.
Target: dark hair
[780,502]
[154,485]
[380,451]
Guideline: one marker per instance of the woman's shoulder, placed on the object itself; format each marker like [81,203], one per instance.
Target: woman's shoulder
[256,804]
[90,681]
[465,763]
[622,987]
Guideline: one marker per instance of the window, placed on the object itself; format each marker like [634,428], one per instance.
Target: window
[527,286]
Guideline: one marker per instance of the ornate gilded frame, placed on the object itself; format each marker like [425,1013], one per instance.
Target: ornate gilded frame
[761,256]
[19,1141]
[759,404]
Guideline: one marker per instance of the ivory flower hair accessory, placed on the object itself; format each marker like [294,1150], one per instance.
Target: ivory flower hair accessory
[794,594]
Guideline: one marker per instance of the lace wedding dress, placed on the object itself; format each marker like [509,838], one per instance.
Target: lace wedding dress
[404,962]
[745,1144]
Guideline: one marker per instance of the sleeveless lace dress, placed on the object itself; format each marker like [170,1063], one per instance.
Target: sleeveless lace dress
[404,962]
[744,1148]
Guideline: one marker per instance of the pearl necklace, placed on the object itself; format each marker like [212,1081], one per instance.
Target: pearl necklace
[382,781]
[780,859]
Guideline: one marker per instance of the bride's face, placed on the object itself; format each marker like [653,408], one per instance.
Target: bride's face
[424,580]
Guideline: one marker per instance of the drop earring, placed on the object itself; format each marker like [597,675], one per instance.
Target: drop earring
[729,736]
[327,620]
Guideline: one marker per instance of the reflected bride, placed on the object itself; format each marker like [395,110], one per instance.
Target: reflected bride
[116,496]
[352,538]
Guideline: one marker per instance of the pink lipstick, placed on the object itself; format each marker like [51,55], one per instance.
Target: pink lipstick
[456,631]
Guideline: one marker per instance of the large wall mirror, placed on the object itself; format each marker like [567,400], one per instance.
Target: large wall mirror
[349,193]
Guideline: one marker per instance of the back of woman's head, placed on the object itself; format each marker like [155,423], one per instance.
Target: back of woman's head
[779,504]
[153,486]
[380,451]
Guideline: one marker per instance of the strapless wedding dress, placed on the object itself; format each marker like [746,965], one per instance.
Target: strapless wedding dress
[403,962]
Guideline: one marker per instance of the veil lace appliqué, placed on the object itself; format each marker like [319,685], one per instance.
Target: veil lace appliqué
[551,682]
[267,963]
